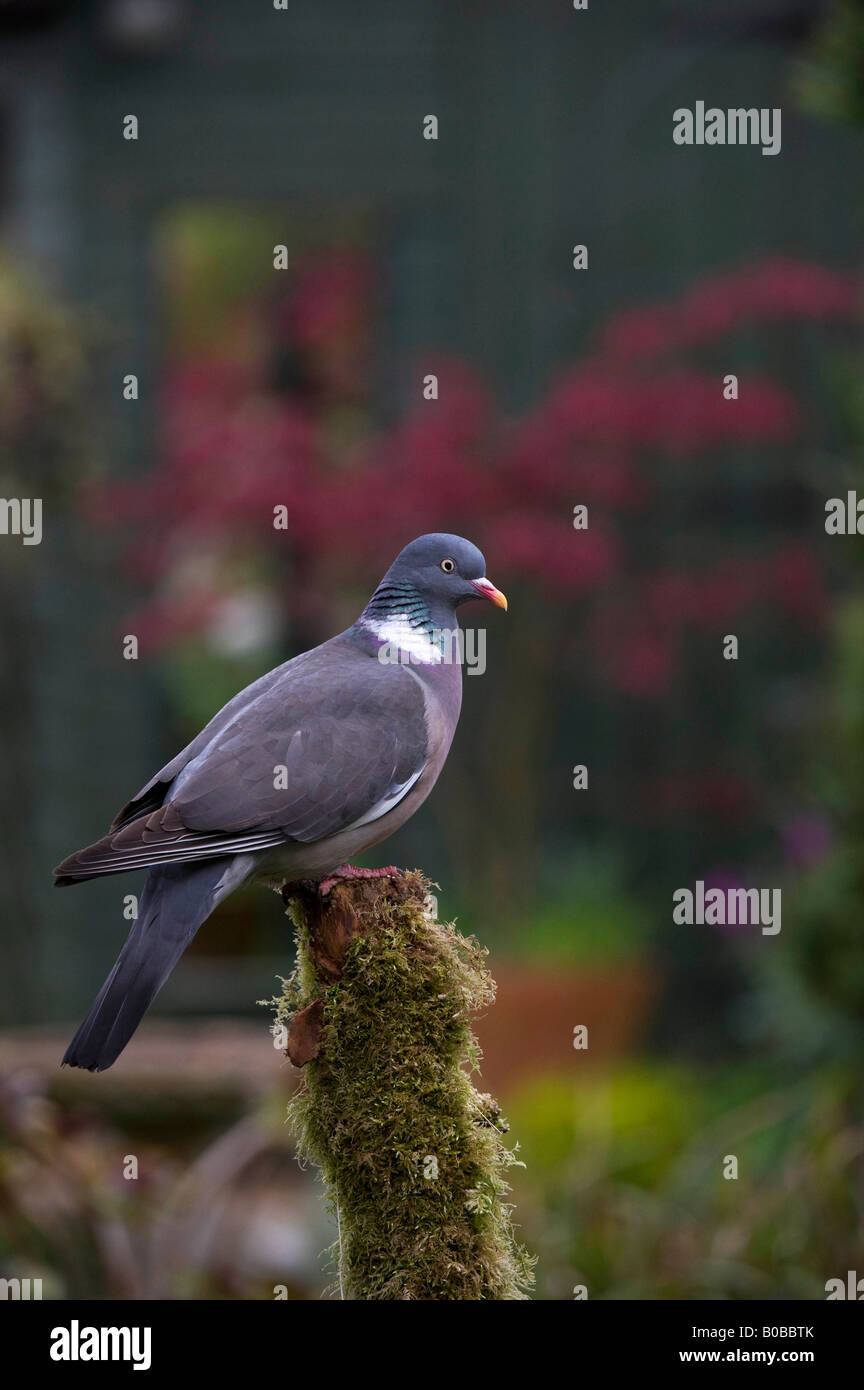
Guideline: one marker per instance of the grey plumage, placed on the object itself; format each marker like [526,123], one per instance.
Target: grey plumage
[173,905]
[313,763]
[320,720]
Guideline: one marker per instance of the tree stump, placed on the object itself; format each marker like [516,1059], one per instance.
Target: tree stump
[377,1014]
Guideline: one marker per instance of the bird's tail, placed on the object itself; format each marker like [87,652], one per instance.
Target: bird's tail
[174,904]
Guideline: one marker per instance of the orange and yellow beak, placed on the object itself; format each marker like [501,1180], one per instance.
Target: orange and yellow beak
[487,590]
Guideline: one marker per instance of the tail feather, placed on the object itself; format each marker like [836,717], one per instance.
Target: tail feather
[174,904]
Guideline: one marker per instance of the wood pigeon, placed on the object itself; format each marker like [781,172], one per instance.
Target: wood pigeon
[308,766]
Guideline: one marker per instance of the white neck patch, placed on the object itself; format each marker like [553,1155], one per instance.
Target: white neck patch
[398,632]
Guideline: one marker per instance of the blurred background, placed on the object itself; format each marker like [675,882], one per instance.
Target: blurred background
[302,388]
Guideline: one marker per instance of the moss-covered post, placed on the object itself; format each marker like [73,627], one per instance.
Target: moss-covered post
[377,1014]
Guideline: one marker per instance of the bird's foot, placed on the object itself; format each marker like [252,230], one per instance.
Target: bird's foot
[349,871]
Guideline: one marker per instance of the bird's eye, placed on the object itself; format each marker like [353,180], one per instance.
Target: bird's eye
[448,566]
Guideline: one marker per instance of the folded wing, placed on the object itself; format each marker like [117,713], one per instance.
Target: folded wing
[334,738]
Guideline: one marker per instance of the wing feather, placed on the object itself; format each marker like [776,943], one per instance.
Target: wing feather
[335,739]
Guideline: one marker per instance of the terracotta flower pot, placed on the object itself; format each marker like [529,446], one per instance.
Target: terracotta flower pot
[530,1028]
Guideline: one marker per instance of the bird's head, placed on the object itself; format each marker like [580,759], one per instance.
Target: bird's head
[445,570]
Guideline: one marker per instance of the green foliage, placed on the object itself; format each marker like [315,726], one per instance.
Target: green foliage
[212,251]
[641,1114]
[43,364]
[412,1155]
[587,918]
[625,1191]
[831,83]
[200,680]
[812,992]
[849,687]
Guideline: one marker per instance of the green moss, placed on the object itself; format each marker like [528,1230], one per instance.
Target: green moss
[412,1155]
